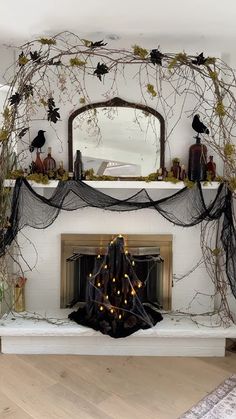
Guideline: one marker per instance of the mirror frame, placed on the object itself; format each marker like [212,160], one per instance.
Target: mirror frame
[115,102]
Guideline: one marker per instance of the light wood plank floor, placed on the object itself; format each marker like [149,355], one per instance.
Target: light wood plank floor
[74,387]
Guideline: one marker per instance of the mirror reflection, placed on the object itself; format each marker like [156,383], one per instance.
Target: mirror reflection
[117,141]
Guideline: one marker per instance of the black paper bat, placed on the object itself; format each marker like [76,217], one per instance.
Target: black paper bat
[28,90]
[98,44]
[23,132]
[35,56]
[199,60]
[156,57]
[101,70]
[51,103]
[53,115]
[52,62]
[15,99]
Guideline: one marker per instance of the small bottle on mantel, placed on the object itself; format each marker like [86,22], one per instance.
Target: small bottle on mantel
[38,166]
[78,166]
[49,164]
[61,171]
[211,169]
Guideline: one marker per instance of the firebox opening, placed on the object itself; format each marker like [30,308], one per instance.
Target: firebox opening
[153,264]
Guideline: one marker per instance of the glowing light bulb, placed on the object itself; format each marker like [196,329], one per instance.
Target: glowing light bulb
[125,301]
[98,256]
[139,284]
[90,275]
[118,292]
[112,311]
[99,284]
[126,276]
[111,242]
[132,292]
[120,316]
[120,235]
[107,297]
[133,262]
[114,280]
[126,252]
[101,308]
[105,267]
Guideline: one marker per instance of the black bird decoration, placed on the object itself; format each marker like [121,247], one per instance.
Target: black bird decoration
[101,70]
[199,60]
[156,56]
[98,44]
[15,99]
[198,126]
[38,141]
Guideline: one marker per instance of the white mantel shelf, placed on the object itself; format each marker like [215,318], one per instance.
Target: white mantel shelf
[173,336]
[118,184]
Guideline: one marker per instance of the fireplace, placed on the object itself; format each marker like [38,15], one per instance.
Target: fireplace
[153,262]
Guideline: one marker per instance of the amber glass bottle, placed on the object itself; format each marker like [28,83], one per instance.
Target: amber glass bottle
[211,169]
[197,164]
[38,166]
[49,164]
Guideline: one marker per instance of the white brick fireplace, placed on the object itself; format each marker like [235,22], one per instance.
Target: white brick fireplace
[175,335]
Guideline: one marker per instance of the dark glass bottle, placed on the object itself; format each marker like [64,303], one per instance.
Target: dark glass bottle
[49,164]
[78,166]
[197,164]
[38,166]
[211,169]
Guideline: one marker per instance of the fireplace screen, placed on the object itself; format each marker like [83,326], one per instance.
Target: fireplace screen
[153,265]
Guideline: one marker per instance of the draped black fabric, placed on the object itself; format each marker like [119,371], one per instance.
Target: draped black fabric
[185,208]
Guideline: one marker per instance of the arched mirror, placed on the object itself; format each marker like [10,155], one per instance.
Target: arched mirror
[117,138]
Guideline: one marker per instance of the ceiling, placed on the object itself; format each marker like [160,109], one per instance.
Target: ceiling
[180,21]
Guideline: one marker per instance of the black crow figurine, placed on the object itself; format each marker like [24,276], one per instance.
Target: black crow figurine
[198,126]
[38,141]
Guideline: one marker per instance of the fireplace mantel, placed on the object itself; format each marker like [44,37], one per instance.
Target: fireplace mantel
[119,185]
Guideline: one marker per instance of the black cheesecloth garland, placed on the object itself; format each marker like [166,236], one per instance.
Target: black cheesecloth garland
[184,208]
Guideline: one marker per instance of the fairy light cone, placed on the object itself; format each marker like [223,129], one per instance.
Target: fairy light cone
[113,303]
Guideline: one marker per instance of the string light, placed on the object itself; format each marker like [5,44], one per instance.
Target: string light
[132,292]
[107,297]
[90,275]
[120,316]
[114,280]
[98,256]
[139,284]
[105,266]
[126,252]
[99,284]
[133,262]
[118,292]
[111,242]
[125,301]
[120,236]
[101,308]
[126,276]
[111,310]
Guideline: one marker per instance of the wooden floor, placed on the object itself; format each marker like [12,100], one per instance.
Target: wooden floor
[72,387]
